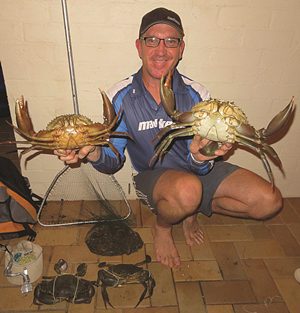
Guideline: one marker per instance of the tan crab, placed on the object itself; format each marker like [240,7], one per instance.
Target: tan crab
[71,131]
[220,122]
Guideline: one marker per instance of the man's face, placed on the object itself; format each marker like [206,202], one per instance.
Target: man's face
[157,61]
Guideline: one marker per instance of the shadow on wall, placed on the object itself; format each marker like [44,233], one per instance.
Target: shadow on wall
[4,109]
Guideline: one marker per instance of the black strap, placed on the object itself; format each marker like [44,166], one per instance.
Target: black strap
[31,233]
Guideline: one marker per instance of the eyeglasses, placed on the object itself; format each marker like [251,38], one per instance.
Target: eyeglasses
[154,41]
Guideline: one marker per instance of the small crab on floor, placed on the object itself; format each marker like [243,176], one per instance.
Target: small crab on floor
[122,274]
[221,122]
[70,131]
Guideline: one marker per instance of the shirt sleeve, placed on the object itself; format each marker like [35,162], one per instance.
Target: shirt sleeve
[200,168]
[109,162]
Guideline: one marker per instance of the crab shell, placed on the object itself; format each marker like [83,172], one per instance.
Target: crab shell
[220,122]
[121,274]
[71,131]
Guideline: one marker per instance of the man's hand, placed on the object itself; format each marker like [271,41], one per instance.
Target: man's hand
[92,153]
[198,143]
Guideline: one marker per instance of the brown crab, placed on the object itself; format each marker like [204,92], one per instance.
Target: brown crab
[71,131]
[220,122]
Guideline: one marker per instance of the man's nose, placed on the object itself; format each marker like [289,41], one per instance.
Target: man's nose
[161,46]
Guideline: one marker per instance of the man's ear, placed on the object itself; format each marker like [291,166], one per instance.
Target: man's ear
[182,46]
[138,46]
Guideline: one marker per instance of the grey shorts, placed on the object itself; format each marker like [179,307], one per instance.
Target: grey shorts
[145,182]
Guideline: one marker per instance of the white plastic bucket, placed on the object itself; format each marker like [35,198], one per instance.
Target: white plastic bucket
[26,255]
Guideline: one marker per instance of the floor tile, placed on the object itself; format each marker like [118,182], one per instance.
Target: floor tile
[259,249]
[294,203]
[287,241]
[202,251]
[50,212]
[197,270]
[228,260]
[226,308]
[290,291]
[165,309]
[164,291]
[53,236]
[288,214]
[227,292]
[190,298]
[260,232]
[295,230]
[228,233]
[261,308]
[108,310]
[71,210]
[261,281]
[12,299]
[282,268]
[82,308]
[126,296]
[145,233]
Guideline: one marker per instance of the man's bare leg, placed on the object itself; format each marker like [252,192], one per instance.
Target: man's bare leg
[177,196]
[247,195]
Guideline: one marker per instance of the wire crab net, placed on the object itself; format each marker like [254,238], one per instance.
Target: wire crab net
[83,195]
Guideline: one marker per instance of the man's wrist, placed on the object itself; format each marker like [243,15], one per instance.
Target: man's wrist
[198,162]
[93,154]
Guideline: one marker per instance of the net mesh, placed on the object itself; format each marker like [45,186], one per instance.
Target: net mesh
[83,195]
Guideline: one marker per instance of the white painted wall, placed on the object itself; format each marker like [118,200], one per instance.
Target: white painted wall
[246,51]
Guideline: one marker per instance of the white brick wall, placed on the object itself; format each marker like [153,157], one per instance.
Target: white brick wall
[246,51]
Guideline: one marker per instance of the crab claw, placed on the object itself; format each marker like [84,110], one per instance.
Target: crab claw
[109,113]
[279,120]
[167,95]
[60,266]
[22,116]
[81,269]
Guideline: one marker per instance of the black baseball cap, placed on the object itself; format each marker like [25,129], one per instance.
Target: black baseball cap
[161,16]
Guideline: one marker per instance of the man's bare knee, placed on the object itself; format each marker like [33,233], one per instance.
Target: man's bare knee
[189,193]
[267,205]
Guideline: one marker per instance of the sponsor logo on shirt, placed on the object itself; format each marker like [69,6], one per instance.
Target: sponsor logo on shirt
[160,123]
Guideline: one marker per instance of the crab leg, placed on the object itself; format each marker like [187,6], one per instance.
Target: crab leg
[279,121]
[267,148]
[142,297]
[168,128]
[163,146]
[105,296]
[262,157]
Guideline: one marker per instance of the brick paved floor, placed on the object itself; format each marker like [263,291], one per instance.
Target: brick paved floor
[243,266]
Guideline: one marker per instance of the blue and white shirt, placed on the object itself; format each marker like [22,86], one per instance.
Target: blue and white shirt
[142,119]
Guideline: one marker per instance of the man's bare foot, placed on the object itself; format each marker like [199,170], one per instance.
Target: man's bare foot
[164,247]
[192,231]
